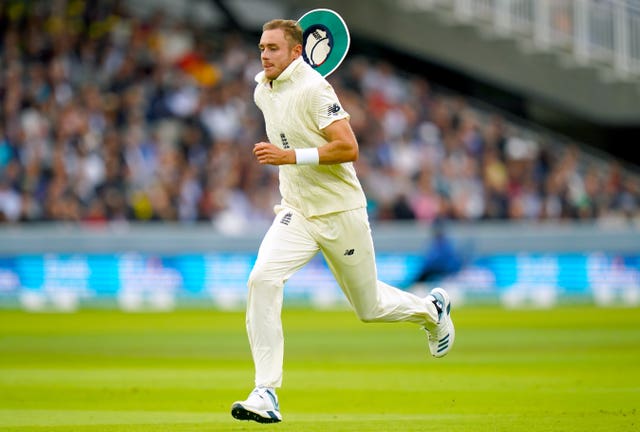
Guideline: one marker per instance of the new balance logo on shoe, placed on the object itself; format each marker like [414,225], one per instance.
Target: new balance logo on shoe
[333,109]
[349,252]
[286,219]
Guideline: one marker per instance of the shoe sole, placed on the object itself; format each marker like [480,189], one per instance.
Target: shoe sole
[241,413]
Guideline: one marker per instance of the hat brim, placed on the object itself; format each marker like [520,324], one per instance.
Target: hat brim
[325,30]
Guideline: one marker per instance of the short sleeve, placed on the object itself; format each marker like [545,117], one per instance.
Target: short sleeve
[328,107]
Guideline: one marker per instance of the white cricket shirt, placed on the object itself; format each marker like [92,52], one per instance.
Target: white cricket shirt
[296,107]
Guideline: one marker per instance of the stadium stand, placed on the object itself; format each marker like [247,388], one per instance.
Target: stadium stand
[110,116]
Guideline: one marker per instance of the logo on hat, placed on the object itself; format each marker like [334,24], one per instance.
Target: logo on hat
[317,44]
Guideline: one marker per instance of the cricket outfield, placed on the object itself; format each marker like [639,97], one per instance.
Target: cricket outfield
[565,369]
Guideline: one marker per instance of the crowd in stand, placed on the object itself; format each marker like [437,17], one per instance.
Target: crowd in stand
[106,116]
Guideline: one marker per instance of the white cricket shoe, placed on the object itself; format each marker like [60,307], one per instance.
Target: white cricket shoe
[442,334]
[261,406]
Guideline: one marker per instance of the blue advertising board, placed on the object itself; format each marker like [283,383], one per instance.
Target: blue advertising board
[135,280]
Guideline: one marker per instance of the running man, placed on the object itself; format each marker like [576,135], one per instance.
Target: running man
[323,209]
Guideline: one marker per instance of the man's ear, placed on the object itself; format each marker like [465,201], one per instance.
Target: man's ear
[297,50]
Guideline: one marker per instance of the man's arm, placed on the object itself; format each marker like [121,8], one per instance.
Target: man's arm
[341,146]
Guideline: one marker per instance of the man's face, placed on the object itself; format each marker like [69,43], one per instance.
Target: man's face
[276,54]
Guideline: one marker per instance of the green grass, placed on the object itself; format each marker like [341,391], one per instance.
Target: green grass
[567,369]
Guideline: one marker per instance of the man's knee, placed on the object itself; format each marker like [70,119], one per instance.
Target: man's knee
[259,278]
[368,315]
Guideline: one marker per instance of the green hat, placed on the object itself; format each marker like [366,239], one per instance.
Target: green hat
[325,40]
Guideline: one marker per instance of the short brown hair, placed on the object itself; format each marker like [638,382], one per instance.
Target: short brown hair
[292,30]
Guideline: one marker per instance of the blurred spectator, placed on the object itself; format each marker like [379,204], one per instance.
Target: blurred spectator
[10,206]
[441,257]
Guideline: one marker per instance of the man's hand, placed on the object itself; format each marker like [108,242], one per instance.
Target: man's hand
[269,154]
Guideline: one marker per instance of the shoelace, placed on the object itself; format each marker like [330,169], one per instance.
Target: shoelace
[439,307]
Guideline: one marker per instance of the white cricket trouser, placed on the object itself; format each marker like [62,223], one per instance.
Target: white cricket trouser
[346,244]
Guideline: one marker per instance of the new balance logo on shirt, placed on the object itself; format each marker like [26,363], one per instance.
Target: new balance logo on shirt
[333,109]
[349,252]
[286,219]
